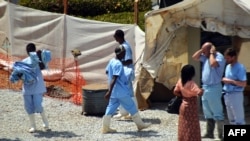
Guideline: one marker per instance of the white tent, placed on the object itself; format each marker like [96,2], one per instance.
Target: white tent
[61,33]
[173,34]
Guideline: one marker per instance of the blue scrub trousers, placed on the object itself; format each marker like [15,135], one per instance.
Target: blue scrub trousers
[234,102]
[212,102]
[126,102]
[33,103]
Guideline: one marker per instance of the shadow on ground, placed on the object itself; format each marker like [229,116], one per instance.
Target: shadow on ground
[136,134]
[5,139]
[52,134]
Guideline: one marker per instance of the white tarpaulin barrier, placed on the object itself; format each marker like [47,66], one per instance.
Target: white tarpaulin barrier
[61,33]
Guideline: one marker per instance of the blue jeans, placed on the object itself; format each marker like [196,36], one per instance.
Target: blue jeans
[234,102]
[212,102]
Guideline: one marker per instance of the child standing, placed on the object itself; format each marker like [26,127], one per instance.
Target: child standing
[188,126]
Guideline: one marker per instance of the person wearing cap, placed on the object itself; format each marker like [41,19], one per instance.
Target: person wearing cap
[118,93]
[129,71]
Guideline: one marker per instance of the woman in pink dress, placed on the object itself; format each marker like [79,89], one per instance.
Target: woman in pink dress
[188,126]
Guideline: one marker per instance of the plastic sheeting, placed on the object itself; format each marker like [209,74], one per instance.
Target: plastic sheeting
[61,33]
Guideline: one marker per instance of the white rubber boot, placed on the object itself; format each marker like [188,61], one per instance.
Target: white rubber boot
[32,123]
[122,111]
[139,123]
[45,121]
[129,117]
[106,125]
[123,114]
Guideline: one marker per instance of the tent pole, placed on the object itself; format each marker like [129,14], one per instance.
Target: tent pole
[65,6]
[136,12]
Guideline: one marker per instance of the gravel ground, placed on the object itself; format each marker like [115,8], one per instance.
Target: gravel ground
[67,123]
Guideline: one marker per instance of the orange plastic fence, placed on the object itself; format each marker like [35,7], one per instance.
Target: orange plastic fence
[77,88]
[73,85]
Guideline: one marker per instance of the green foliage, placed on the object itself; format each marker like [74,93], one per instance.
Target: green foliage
[45,5]
[116,11]
[123,18]
[88,7]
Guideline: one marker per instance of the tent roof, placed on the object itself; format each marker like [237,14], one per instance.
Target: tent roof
[244,4]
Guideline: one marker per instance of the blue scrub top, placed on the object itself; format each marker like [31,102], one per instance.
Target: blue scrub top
[236,72]
[212,75]
[128,54]
[38,87]
[121,87]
